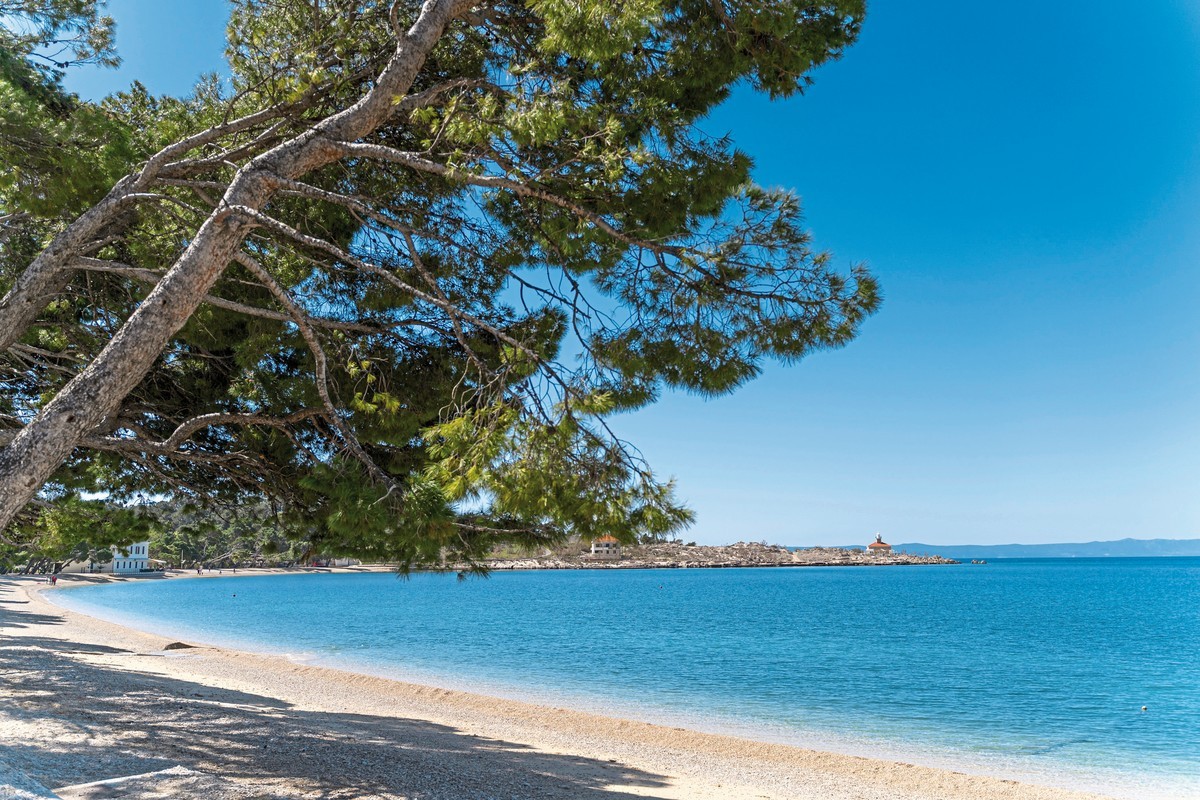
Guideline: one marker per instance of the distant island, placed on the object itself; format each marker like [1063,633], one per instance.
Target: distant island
[1121,548]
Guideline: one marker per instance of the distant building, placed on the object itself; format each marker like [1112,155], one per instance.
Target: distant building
[606,547]
[132,559]
[879,547]
[335,562]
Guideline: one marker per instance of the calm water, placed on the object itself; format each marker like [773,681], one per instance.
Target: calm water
[1024,668]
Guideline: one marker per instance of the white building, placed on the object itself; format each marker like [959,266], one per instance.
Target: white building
[132,559]
[335,562]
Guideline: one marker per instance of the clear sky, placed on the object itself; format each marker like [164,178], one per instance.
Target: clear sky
[1025,181]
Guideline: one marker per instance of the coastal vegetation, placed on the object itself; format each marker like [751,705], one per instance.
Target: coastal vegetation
[384,283]
[180,535]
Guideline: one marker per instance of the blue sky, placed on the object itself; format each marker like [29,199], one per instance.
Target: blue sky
[1025,181]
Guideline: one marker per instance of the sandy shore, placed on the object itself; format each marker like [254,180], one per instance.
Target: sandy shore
[85,701]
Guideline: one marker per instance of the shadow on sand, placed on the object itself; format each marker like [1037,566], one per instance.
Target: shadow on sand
[150,722]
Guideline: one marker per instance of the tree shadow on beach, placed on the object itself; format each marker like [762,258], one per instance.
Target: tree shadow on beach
[117,721]
[12,618]
[47,645]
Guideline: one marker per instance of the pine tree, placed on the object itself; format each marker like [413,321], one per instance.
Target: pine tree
[394,278]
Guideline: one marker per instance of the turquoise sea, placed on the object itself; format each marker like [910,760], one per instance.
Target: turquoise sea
[1029,669]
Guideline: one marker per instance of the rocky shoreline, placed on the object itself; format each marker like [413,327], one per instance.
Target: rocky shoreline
[740,554]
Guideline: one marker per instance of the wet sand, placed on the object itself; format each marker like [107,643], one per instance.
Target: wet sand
[85,701]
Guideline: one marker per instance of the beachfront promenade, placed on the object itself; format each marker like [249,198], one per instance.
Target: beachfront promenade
[86,701]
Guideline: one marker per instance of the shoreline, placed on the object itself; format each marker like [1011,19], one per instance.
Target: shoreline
[208,707]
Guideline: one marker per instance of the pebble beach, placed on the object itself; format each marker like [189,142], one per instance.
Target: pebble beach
[90,709]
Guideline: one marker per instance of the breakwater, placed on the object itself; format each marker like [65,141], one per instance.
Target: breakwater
[737,555]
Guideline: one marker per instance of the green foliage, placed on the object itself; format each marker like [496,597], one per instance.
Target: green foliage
[190,535]
[76,529]
[55,34]
[582,247]
[61,154]
[595,32]
[574,479]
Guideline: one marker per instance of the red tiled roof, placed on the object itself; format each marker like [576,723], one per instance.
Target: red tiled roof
[611,539]
[879,545]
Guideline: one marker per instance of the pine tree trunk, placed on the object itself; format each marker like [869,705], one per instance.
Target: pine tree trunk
[49,273]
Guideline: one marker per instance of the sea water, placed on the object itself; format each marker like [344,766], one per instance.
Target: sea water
[1028,669]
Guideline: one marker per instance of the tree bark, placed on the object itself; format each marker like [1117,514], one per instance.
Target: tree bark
[48,274]
[97,392]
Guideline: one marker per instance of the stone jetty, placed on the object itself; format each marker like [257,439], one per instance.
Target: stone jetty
[691,556]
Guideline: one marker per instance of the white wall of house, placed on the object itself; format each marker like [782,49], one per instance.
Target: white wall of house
[129,560]
[335,562]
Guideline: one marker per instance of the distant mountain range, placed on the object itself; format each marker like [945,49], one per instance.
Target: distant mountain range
[1122,548]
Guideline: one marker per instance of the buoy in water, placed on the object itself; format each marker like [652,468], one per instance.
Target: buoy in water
[1143,708]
